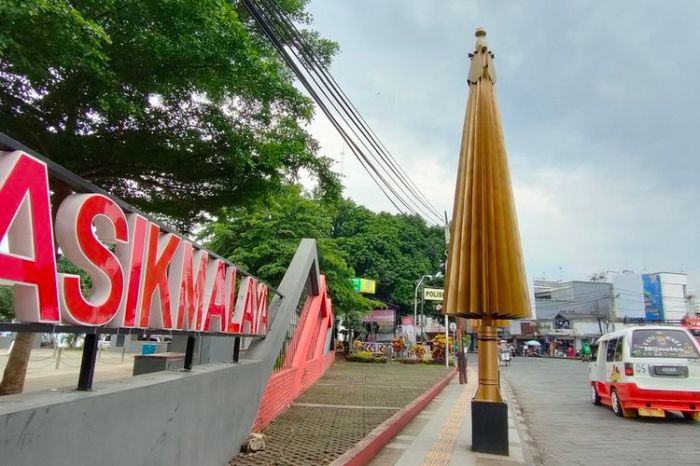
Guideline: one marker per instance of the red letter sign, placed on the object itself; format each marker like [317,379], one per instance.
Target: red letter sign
[261,306]
[187,286]
[156,268]
[25,218]
[131,256]
[244,315]
[75,236]
[216,276]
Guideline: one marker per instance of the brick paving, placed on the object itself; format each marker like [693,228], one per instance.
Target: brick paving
[345,405]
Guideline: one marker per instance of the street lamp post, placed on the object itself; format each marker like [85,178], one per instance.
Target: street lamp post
[419,283]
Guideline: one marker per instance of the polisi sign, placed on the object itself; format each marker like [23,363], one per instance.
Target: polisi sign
[433,294]
[142,277]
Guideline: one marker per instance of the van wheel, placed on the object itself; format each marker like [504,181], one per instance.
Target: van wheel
[595,398]
[615,402]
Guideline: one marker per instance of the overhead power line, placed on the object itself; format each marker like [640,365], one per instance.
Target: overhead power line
[316,64]
[363,142]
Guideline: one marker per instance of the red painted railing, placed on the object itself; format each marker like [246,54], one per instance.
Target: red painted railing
[309,355]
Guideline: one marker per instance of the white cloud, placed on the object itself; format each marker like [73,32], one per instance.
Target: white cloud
[598,106]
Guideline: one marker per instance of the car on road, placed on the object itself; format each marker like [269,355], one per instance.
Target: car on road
[647,371]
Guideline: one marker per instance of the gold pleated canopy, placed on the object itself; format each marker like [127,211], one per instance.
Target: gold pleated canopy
[485,271]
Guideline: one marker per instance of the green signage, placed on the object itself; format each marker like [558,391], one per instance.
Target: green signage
[362,285]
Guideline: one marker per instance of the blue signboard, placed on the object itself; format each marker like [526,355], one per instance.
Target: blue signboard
[653,305]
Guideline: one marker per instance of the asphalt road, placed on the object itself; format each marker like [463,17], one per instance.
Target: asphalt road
[568,430]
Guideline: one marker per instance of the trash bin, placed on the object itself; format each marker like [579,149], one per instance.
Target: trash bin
[148,349]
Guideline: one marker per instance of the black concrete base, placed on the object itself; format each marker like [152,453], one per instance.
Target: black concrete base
[490,427]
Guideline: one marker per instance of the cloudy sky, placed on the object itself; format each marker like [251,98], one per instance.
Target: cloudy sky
[600,113]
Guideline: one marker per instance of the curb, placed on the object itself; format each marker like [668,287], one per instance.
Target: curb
[533,455]
[368,447]
[527,443]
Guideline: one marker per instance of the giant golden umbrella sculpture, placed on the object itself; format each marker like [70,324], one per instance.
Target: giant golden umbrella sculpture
[485,272]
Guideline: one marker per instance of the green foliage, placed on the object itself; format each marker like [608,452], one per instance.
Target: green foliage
[7,312]
[395,250]
[178,106]
[365,356]
[262,238]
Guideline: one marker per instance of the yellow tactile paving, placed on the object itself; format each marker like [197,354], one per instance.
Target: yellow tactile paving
[441,452]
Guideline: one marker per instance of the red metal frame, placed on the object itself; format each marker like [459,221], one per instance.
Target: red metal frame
[305,363]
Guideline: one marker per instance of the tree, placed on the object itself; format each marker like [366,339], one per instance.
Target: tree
[395,250]
[179,107]
[263,238]
[173,105]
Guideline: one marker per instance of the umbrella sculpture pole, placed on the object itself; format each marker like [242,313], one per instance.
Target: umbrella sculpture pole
[485,278]
[489,389]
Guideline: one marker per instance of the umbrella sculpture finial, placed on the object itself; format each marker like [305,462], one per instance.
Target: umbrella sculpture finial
[482,60]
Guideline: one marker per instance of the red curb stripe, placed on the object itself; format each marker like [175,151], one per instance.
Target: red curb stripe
[368,447]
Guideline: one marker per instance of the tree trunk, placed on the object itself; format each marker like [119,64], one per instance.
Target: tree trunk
[16,369]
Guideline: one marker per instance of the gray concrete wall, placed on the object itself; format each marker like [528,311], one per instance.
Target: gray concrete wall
[133,345]
[173,418]
[216,349]
[222,348]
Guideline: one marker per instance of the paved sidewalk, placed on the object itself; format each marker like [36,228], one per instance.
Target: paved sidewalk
[441,434]
[42,373]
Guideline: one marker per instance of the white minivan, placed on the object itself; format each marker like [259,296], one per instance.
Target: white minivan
[647,371]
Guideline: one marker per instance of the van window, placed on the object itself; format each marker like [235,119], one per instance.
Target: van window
[618,350]
[662,344]
[610,354]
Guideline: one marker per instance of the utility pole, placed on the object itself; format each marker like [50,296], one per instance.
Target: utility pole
[599,317]
[415,302]
[613,313]
[422,316]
